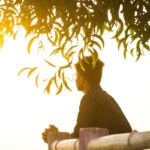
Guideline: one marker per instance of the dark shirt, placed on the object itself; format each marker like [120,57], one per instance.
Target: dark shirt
[99,109]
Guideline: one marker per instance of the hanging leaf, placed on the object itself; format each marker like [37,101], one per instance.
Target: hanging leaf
[125,50]
[1,40]
[119,31]
[49,39]
[59,89]
[120,42]
[59,72]
[31,71]
[55,51]
[47,89]
[79,59]
[146,46]
[132,52]
[64,82]
[67,66]
[138,50]
[40,45]
[92,43]
[49,63]
[23,69]
[30,43]
[15,34]
[36,80]
[94,57]
[70,54]
[70,49]
[100,39]
[58,25]
[56,37]
[55,81]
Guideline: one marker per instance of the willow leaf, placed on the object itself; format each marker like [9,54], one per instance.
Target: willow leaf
[30,43]
[31,71]
[59,72]
[70,54]
[92,43]
[36,80]
[56,37]
[47,89]
[70,49]
[132,52]
[59,89]
[120,42]
[125,50]
[95,57]
[100,38]
[138,49]
[1,40]
[40,45]
[49,63]
[55,81]
[58,25]
[15,34]
[64,81]
[79,59]
[50,40]
[55,51]
[119,31]
[23,69]
[146,46]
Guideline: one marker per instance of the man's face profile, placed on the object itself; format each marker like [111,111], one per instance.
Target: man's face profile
[79,81]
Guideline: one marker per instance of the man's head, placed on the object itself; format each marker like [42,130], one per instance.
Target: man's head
[91,75]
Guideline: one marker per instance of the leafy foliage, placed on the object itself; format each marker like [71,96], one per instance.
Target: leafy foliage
[65,21]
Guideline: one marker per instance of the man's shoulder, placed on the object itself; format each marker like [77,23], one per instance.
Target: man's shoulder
[99,95]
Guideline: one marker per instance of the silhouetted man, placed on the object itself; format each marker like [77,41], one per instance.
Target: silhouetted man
[97,108]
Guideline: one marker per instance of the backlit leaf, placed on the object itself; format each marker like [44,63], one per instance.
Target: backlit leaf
[30,43]
[47,88]
[120,29]
[100,38]
[79,59]
[1,40]
[36,80]
[31,71]
[55,81]
[49,63]
[23,69]
[132,52]
[64,81]
[59,89]
[92,43]
[55,51]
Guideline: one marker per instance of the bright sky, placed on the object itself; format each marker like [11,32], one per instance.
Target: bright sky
[25,110]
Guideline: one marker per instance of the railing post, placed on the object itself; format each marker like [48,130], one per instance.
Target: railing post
[86,134]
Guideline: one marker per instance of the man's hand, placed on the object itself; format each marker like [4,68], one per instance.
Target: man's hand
[50,129]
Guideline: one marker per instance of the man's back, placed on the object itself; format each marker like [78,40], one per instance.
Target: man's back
[99,109]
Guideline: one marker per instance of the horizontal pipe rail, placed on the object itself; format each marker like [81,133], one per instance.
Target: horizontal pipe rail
[126,141]
[71,144]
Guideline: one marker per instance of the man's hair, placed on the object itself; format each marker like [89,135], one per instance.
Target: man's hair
[91,73]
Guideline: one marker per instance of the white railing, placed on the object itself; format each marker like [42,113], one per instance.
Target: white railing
[98,139]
